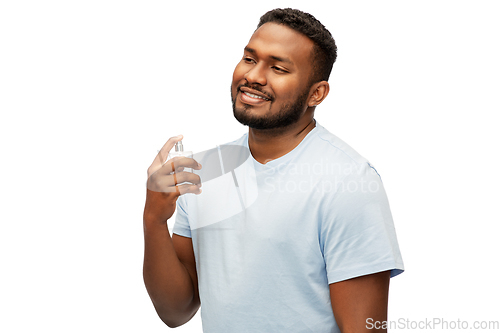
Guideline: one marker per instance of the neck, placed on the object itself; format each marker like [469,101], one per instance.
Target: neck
[267,145]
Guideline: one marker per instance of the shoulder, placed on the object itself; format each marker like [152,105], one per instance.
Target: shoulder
[334,145]
[335,154]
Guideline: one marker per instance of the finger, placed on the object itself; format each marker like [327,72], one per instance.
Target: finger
[185,162]
[168,183]
[163,154]
[186,177]
[178,164]
[165,184]
[189,188]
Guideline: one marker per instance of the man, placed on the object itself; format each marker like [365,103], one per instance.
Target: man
[314,249]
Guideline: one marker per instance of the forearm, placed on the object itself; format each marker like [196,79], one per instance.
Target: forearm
[167,280]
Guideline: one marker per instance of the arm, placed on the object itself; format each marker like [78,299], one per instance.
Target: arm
[355,300]
[169,265]
[170,275]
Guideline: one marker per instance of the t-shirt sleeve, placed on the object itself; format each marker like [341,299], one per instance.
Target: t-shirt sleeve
[181,226]
[357,232]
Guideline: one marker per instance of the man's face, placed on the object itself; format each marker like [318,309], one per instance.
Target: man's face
[270,85]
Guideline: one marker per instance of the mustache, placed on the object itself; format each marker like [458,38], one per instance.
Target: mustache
[257,88]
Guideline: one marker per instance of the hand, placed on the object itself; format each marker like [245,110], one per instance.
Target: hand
[163,179]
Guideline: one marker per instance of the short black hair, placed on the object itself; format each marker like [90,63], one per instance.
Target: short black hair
[324,51]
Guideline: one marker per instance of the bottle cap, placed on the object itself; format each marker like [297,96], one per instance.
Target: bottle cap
[178,146]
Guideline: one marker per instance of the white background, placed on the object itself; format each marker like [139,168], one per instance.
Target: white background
[89,90]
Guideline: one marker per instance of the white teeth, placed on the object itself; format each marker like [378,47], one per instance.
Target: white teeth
[255,96]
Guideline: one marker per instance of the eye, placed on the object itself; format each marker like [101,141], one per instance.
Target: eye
[248,60]
[279,69]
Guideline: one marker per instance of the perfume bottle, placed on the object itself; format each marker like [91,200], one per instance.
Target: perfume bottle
[179,151]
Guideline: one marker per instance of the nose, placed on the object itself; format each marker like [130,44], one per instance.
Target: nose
[256,74]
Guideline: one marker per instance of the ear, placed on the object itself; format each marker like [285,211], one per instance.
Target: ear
[318,93]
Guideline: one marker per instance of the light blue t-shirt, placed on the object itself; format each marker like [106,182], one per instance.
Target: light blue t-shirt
[270,238]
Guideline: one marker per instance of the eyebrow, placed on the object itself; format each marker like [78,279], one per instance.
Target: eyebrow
[281,59]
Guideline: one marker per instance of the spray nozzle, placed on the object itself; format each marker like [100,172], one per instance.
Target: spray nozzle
[178,146]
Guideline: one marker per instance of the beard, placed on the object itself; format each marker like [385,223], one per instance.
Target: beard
[289,114]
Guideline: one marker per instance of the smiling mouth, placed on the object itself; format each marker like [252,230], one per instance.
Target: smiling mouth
[255,96]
